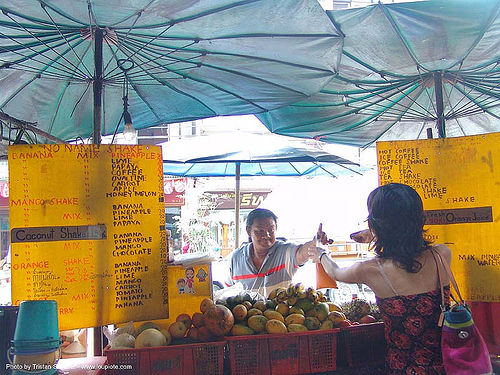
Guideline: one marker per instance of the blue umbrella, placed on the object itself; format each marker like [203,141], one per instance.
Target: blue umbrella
[250,155]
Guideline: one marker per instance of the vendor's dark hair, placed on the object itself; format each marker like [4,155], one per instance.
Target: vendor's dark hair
[260,213]
[396,217]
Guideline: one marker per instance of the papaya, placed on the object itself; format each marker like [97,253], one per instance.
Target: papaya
[257,323]
[241,330]
[297,328]
[271,314]
[294,319]
[275,326]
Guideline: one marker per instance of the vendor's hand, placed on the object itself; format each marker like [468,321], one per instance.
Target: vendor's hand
[321,236]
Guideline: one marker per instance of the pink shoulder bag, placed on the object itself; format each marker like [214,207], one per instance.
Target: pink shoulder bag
[463,348]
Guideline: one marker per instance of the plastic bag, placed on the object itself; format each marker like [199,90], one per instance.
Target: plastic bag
[117,337]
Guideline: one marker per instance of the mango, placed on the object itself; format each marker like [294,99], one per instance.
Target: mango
[261,305]
[253,312]
[241,330]
[294,319]
[304,304]
[282,308]
[297,328]
[271,304]
[327,324]
[257,323]
[334,307]
[296,310]
[312,323]
[271,314]
[336,317]
[247,304]
[321,311]
[240,312]
[275,326]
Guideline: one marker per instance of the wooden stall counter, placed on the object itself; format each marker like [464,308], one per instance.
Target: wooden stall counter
[83,366]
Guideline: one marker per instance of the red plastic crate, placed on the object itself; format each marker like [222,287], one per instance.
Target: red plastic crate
[283,354]
[190,359]
[362,345]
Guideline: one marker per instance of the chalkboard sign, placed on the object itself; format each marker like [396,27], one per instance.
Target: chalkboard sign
[459,182]
[88,230]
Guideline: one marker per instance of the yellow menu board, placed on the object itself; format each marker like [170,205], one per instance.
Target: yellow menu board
[459,182]
[88,230]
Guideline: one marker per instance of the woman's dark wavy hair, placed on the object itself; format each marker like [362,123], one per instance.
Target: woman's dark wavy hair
[396,217]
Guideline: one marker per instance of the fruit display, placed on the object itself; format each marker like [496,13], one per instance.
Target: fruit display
[292,309]
[361,311]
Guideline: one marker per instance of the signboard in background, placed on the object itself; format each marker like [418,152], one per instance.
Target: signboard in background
[174,190]
[224,200]
[4,194]
[88,230]
[458,181]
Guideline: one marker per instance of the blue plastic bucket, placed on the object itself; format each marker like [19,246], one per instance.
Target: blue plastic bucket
[36,337]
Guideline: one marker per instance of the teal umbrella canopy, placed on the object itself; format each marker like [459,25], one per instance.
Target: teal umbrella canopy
[256,155]
[406,67]
[174,60]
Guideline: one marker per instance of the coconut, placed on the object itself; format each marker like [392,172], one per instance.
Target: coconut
[149,338]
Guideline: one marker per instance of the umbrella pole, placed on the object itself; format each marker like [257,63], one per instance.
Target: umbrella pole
[438,88]
[237,206]
[98,36]
[96,137]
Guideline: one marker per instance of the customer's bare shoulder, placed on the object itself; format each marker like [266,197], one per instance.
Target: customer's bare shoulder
[443,250]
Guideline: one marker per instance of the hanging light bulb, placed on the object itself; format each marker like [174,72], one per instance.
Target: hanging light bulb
[129,133]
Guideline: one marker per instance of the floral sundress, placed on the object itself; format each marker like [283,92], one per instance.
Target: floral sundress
[412,334]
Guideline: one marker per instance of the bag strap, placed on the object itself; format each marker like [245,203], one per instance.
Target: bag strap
[452,279]
[441,286]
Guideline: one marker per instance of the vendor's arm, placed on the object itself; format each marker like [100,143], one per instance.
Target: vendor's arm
[352,274]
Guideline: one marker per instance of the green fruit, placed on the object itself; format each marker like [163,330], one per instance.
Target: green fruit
[304,304]
[241,330]
[271,304]
[257,323]
[321,311]
[297,328]
[312,323]
[296,310]
[327,324]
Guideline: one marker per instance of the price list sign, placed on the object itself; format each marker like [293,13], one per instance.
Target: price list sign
[458,180]
[88,230]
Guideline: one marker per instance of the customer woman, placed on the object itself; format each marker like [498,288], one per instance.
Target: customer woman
[404,278]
